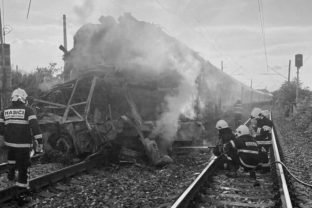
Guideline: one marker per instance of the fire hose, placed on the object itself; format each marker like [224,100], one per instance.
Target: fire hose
[292,175]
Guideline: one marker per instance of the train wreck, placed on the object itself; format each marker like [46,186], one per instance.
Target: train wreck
[96,112]
[135,88]
[127,89]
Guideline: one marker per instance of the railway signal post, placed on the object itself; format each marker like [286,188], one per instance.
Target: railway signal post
[298,63]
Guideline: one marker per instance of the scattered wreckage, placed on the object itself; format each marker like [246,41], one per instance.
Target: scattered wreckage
[97,112]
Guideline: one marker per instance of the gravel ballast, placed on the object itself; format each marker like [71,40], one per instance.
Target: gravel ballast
[296,146]
[134,185]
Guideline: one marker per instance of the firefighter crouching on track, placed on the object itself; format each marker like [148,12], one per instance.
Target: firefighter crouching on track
[18,124]
[263,137]
[225,134]
[243,150]
[254,120]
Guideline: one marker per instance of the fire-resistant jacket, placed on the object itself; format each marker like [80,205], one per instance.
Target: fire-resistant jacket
[264,129]
[243,150]
[225,136]
[18,124]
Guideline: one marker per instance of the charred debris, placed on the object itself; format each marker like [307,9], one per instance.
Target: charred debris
[130,85]
[102,111]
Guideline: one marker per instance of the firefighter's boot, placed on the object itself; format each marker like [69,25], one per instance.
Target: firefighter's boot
[11,174]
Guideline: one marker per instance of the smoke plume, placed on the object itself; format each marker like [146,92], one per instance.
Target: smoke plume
[85,10]
[146,54]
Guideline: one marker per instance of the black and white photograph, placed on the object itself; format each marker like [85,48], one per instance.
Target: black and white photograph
[155,104]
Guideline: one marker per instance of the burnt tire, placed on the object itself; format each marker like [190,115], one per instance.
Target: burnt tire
[62,143]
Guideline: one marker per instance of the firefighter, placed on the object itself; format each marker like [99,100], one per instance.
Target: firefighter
[225,135]
[18,125]
[238,113]
[254,115]
[263,138]
[244,152]
[266,113]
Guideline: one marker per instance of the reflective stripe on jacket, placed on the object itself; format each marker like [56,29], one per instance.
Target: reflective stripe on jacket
[18,124]
[247,151]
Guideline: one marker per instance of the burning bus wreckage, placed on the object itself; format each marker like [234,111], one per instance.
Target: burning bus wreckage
[112,100]
[97,112]
[132,90]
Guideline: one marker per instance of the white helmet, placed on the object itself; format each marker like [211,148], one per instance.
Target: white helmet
[266,113]
[242,130]
[255,113]
[19,94]
[222,124]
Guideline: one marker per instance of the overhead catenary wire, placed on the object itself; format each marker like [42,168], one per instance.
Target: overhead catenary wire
[260,7]
[212,42]
[276,72]
[2,29]
[261,17]
[28,10]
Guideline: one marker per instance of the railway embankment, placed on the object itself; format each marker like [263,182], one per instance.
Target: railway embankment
[296,143]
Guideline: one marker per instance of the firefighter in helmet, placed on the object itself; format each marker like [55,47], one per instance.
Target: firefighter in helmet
[225,134]
[243,150]
[254,115]
[18,125]
[263,137]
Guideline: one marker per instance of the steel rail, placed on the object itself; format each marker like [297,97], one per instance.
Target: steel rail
[4,166]
[185,198]
[42,181]
[284,193]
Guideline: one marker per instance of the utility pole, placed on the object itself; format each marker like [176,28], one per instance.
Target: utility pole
[64,32]
[4,91]
[66,71]
[289,65]
[221,65]
[298,63]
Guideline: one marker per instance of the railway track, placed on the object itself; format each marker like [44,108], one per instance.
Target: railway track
[212,188]
[40,182]
[4,166]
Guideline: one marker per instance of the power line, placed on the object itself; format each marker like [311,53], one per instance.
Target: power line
[28,8]
[276,72]
[260,6]
[212,42]
[236,70]
[2,29]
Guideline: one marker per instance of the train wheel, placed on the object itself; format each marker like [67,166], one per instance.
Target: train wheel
[61,143]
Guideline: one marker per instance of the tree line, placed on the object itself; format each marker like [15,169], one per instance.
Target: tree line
[37,82]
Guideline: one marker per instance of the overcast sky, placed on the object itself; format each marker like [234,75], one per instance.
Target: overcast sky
[219,30]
